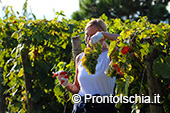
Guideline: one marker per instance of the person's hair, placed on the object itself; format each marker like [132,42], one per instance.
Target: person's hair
[101,26]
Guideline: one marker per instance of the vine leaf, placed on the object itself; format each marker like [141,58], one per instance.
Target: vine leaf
[162,67]
[111,48]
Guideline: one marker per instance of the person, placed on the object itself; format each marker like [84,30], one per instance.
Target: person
[98,83]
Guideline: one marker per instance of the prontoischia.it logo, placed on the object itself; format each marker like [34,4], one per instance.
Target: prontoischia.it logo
[76,98]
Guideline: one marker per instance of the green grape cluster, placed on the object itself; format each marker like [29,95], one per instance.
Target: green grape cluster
[89,59]
[111,70]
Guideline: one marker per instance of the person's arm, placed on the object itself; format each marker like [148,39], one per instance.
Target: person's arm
[110,36]
[74,88]
[101,36]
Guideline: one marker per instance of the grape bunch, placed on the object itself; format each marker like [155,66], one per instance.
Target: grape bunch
[89,59]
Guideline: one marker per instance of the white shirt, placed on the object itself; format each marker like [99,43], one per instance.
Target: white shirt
[98,83]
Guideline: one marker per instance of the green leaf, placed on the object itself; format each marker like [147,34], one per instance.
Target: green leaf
[104,17]
[162,69]
[58,92]
[120,86]
[127,83]
[166,105]
[123,35]
[20,74]
[145,49]
[166,81]
[118,23]
[158,40]
[159,30]
[142,36]
[38,37]
[36,94]
[111,48]
[42,67]
[61,65]
[71,26]
[167,59]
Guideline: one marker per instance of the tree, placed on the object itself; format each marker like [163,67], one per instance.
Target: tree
[155,10]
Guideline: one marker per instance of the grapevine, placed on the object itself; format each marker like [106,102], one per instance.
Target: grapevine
[89,59]
[30,48]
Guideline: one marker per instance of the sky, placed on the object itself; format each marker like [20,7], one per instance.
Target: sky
[46,8]
[43,8]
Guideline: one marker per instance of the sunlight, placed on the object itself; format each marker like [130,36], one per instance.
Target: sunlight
[43,8]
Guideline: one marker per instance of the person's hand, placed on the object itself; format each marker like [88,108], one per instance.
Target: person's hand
[96,38]
[62,77]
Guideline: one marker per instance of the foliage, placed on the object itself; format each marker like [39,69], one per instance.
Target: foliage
[38,47]
[155,10]
[136,42]
[34,47]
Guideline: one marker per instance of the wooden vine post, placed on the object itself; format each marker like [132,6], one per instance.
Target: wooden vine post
[28,79]
[2,96]
[76,46]
[154,84]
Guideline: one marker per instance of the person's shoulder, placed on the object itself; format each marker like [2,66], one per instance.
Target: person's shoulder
[78,56]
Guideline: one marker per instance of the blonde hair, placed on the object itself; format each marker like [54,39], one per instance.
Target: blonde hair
[101,26]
